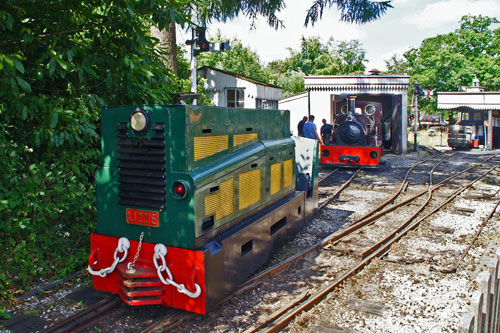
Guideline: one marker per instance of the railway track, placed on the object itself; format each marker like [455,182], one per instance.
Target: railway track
[85,318]
[175,318]
[282,317]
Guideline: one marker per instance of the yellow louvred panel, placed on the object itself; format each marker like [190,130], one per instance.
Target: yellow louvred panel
[287,173]
[239,139]
[205,146]
[275,178]
[221,203]
[249,188]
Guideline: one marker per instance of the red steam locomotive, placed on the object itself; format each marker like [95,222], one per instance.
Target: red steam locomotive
[356,136]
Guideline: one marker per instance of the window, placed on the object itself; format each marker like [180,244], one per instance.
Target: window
[235,97]
[266,104]
[478,116]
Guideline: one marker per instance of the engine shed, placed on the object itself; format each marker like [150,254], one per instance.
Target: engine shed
[478,108]
[324,92]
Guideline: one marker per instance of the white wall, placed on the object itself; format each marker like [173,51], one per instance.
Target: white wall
[297,105]
[217,82]
[320,106]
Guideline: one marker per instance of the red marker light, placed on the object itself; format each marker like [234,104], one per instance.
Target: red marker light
[180,189]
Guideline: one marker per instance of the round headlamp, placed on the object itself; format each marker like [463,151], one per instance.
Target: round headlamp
[140,121]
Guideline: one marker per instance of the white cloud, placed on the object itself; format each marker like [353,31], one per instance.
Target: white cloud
[394,32]
[272,44]
[378,62]
[445,13]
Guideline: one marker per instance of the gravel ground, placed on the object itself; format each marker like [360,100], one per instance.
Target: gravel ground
[387,296]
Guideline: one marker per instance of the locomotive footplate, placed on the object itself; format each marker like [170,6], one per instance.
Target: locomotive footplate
[355,156]
[217,268]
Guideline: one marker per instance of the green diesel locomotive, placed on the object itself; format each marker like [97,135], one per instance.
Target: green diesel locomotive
[193,199]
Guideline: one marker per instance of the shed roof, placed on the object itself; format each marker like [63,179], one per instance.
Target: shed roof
[471,100]
[239,76]
[357,83]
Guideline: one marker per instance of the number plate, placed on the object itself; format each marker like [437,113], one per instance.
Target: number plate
[143,217]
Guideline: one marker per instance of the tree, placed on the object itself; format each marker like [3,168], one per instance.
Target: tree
[60,61]
[352,56]
[353,11]
[449,62]
[397,65]
[239,59]
[316,58]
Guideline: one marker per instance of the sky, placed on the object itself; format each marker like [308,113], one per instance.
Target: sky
[403,27]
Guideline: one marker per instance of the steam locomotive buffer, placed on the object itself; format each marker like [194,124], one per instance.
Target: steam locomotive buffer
[193,199]
[357,135]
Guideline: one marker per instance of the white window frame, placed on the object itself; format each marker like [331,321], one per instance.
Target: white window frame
[238,100]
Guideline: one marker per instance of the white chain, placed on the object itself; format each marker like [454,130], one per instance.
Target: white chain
[123,246]
[130,266]
[160,253]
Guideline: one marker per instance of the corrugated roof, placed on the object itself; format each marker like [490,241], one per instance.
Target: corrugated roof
[239,76]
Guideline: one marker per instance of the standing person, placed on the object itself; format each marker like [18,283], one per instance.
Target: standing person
[326,132]
[310,130]
[300,126]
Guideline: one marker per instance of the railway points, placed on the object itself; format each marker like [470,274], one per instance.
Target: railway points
[367,296]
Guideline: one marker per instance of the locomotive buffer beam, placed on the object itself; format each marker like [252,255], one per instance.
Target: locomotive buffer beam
[349,158]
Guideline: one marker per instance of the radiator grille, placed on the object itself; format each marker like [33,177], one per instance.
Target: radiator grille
[239,139]
[205,146]
[275,178]
[141,169]
[221,203]
[287,173]
[249,188]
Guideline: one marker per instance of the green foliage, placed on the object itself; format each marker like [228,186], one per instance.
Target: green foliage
[316,58]
[291,82]
[60,62]
[223,10]
[239,59]
[449,62]
[357,11]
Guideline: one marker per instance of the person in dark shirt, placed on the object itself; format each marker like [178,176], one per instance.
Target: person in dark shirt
[326,132]
[300,126]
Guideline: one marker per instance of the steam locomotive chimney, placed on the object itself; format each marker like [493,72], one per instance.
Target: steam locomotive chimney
[351,104]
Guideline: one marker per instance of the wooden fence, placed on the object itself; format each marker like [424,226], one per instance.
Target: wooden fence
[485,304]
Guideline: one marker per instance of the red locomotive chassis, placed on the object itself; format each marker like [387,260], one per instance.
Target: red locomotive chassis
[357,156]
[143,287]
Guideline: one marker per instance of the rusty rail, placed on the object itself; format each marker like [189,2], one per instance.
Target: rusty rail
[83,319]
[327,176]
[361,222]
[336,194]
[379,249]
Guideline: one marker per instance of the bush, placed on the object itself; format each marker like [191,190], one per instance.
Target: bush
[47,197]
